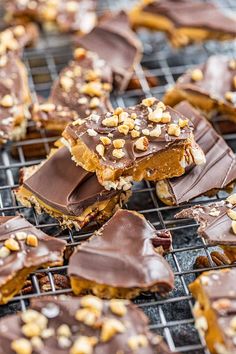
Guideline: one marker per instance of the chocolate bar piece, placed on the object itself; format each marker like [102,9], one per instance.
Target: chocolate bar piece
[64,15]
[210,87]
[148,141]
[81,198]
[125,259]
[23,249]
[86,325]
[184,21]
[217,223]
[219,171]
[115,42]
[215,310]
[83,88]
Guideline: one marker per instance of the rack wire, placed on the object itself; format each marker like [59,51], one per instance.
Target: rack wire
[172,315]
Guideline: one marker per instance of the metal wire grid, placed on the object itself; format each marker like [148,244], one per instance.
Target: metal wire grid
[171,316]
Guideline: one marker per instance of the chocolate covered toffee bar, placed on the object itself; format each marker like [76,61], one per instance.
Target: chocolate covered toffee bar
[64,15]
[215,311]
[87,325]
[115,42]
[219,171]
[184,21]
[125,259]
[82,88]
[67,192]
[217,223]
[148,141]
[23,249]
[210,87]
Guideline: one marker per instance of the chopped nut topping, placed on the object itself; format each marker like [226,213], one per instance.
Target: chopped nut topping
[118,153]
[118,143]
[12,244]
[83,100]
[110,121]
[118,111]
[123,116]
[155,116]
[232,64]
[105,140]
[183,123]
[146,132]
[110,327]
[135,134]
[92,88]
[64,330]
[32,316]
[197,75]
[156,132]
[118,307]
[136,342]
[174,130]
[232,214]
[229,96]
[94,103]
[233,225]
[4,252]
[47,333]
[142,143]
[204,280]
[64,342]
[83,345]
[87,316]
[32,240]
[123,129]
[148,102]
[133,115]
[80,53]
[19,31]
[106,86]
[100,149]
[92,302]
[92,75]
[166,117]
[37,343]
[47,107]
[78,121]
[232,199]
[214,212]
[91,132]
[21,346]
[7,101]
[31,329]
[129,122]
[66,83]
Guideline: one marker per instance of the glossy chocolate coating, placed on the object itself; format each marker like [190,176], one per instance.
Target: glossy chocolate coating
[218,78]
[219,169]
[61,311]
[191,13]
[216,229]
[49,250]
[62,185]
[114,41]
[131,154]
[122,255]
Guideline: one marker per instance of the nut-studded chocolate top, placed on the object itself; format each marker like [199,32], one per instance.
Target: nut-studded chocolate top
[126,135]
[216,78]
[78,188]
[217,221]
[192,13]
[23,246]
[219,170]
[115,42]
[84,85]
[122,254]
[68,15]
[87,325]
[219,291]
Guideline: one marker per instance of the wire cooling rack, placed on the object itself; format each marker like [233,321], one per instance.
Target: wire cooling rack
[172,315]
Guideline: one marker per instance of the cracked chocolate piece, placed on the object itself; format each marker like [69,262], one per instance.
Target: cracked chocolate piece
[82,88]
[210,87]
[217,223]
[115,42]
[86,325]
[184,21]
[23,249]
[219,171]
[215,310]
[81,198]
[149,141]
[125,259]
[64,15]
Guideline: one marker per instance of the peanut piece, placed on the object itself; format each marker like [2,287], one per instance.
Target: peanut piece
[118,153]
[118,143]
[21,346]
[111,327]
[118,307]
[100,149]
[174,130]
[123,129]
[110,121]
[105,140]
[142,144]
[12,244]
[32,240]
[197,75]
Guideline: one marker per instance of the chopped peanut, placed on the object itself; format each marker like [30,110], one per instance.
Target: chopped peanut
[142,143]
[83,345]
[111,327]
[87,316]
[135,134]
[64,330]
[156,132]
[92,302]
[118,143]
[12,244]
[22,346]
[183,123]
[66,83]
[91,132]
[94,103]
[118,153]
[174,130]
[100,149]
[118,307]
[232,214]
[110,121]
[31,330]
[155,116]
[118,111]
[7,101]
[32,240]
[148,102]
[105,140]
[146,132]
[136,342]
[166,117]
[197,75]
[80,53]
[232,199]
[123,129]
[4,252]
